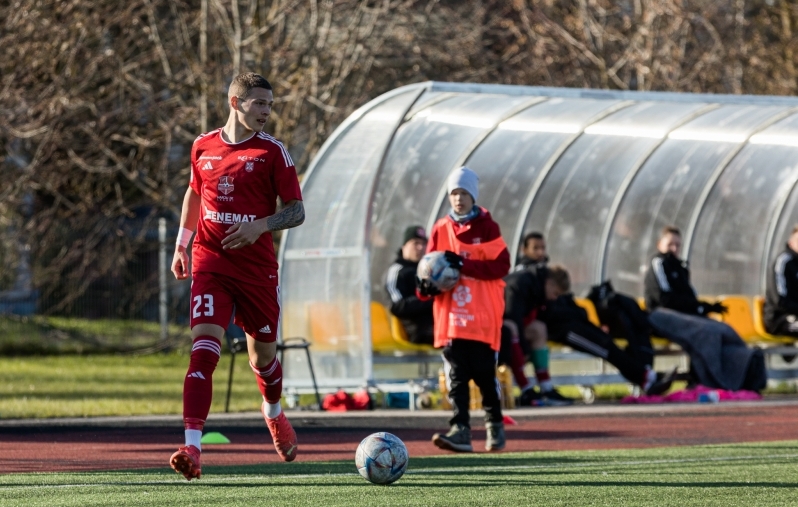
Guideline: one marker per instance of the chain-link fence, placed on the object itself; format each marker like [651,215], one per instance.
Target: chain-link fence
[138,307]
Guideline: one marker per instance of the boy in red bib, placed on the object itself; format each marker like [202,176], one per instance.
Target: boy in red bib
[468,319]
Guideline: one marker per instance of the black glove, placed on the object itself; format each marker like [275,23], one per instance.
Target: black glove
[717,308]
[426,288]
[706,308]
[453,259]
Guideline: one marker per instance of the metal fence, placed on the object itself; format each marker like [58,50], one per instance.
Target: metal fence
[141,308]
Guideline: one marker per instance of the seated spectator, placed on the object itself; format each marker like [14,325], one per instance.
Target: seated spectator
[524,294]
[781,294]
[529,332]
[667,281]
[568,323]
[533,251]
[400,282]
[718,356]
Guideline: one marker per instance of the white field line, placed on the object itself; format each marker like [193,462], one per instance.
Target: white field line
[226,479]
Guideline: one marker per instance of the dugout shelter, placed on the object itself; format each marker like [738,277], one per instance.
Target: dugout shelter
[598,172]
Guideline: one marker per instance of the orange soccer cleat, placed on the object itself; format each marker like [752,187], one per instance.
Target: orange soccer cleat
[186,461]
[283,435]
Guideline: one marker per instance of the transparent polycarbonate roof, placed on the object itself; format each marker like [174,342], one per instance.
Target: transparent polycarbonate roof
[599,173]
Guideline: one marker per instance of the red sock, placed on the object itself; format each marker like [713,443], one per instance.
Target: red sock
[198,385]
[542,375]
[270,380]
[517,361]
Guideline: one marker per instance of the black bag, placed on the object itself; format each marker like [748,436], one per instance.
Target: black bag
[624,319]
[609,304]
[756,378]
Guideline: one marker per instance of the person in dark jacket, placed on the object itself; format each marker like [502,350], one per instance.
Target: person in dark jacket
[524,295]
[400,282]
[667,280]
[533,251]
[568,324]
[781,294]
[674,309]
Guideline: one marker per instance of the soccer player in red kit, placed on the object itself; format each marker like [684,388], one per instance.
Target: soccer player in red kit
[237,173]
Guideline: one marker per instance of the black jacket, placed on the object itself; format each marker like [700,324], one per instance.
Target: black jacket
[415,315]
[560,314]
[525,262]
[667,285]
[781,289]
[523,292]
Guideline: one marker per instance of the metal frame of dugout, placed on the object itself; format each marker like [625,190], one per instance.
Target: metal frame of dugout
[599,172]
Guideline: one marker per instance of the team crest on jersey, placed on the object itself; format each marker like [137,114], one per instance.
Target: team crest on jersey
[462,295]
[226,185]
[249,166]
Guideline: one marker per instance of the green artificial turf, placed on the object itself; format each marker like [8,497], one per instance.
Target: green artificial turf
[762,474]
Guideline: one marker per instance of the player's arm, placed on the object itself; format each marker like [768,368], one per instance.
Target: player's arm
[292,215]
[246,233]
[491,269]
[189,216]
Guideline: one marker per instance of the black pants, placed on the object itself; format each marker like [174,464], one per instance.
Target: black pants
[626,320]
[506,347]
[467,360]
[638,338]
[586,337]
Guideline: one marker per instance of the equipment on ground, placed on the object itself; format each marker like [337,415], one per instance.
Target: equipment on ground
[381,458]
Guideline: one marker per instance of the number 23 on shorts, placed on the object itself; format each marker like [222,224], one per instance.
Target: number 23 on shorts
[200,309]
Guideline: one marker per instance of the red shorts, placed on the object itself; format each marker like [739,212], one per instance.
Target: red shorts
[215,297]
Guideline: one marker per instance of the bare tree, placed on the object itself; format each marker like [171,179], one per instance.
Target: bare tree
[100,101]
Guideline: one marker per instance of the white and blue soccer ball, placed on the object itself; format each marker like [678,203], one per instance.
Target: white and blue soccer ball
[381,458]
[435,268]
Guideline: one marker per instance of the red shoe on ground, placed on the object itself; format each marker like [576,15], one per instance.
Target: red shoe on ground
[282,434]
[186,461]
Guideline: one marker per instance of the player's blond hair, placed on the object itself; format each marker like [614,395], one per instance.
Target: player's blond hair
[244,83]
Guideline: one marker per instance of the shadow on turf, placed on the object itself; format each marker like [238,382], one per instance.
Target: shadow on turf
[487,466]
[482,464]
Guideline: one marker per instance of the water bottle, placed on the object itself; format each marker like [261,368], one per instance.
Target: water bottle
[709,397]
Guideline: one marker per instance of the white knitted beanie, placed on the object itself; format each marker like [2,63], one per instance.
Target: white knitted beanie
[466,179]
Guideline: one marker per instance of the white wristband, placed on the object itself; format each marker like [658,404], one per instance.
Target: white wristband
[184,237]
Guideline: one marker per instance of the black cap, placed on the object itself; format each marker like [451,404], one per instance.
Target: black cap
[414,232]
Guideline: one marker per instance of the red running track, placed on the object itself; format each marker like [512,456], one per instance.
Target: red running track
[46,449]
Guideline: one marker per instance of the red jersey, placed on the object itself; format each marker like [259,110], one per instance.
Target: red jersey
[239,183]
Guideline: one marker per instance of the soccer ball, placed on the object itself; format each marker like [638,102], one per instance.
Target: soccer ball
[381,458]
[436,268]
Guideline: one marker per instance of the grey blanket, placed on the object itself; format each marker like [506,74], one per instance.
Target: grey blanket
[718,356]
